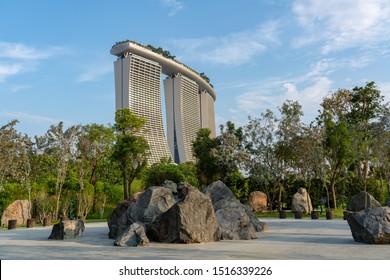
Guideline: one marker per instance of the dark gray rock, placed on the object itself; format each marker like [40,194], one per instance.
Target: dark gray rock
[170,185]
[371,226]
[236,221]
[67,229]
[134,235]
[218,191]
[259,226]
[115,215]
[362,201]
[153,201]
[190,220]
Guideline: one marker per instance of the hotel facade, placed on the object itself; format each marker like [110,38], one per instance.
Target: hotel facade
[189,100]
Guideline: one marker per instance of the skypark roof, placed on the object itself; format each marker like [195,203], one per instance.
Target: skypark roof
[169,66]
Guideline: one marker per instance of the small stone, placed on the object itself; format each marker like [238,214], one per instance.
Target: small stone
[257,201]
[67,229]
[301,201]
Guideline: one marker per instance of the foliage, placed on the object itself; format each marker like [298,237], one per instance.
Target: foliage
[206,165]
[159,172]
[130,149]
[161,51]
[61,144]
[344,151]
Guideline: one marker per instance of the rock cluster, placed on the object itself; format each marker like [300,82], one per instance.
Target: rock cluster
[18,210]
[371,226]
[301,201]
[182,214]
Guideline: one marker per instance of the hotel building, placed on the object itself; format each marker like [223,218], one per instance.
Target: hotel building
[189,100]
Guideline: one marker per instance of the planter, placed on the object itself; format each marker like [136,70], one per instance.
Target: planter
[329,215]
[282,214]
[315,215]
[12,224]
[298,214]
[46,222]
[30,223]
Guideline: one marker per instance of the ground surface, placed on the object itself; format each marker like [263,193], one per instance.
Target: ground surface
[285,239]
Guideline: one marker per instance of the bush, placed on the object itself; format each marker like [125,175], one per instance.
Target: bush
[160,172]
[10,192]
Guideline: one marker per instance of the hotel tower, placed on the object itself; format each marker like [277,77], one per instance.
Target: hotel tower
[189,99]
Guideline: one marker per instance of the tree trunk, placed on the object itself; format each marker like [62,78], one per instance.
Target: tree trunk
[125,188]
[280,197]
[92,181]
[332,187]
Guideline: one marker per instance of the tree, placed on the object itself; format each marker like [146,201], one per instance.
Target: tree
[130,148]
[206,165]
[93,146]
[14,157]
[263,165]
[9,141]
[228,153]
[381,146]
[61,144]
[366,106]
[337,136]
[289,136]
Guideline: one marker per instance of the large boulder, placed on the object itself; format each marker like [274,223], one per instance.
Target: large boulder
[190,220]
[371,226]
[18,210]
[233,217]
[134,235]
[67,229]
[301,201]
[153,201]
[113,219]
[362,201]
[257,201]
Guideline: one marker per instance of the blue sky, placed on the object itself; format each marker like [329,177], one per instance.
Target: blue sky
[55,63]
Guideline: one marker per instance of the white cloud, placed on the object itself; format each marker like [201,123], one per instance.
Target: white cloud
[384,87]
[16,58]
[19,87]
[22,51]
[308,89]
[174,6]
[340,25]
[7,70]
[95,72]
[27,117]
[233,49]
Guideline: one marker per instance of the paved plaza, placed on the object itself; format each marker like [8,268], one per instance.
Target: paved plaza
[285,239]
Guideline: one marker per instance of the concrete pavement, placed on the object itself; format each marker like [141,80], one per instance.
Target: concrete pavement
[285,239]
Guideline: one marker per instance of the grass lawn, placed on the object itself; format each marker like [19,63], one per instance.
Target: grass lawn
[338,214]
